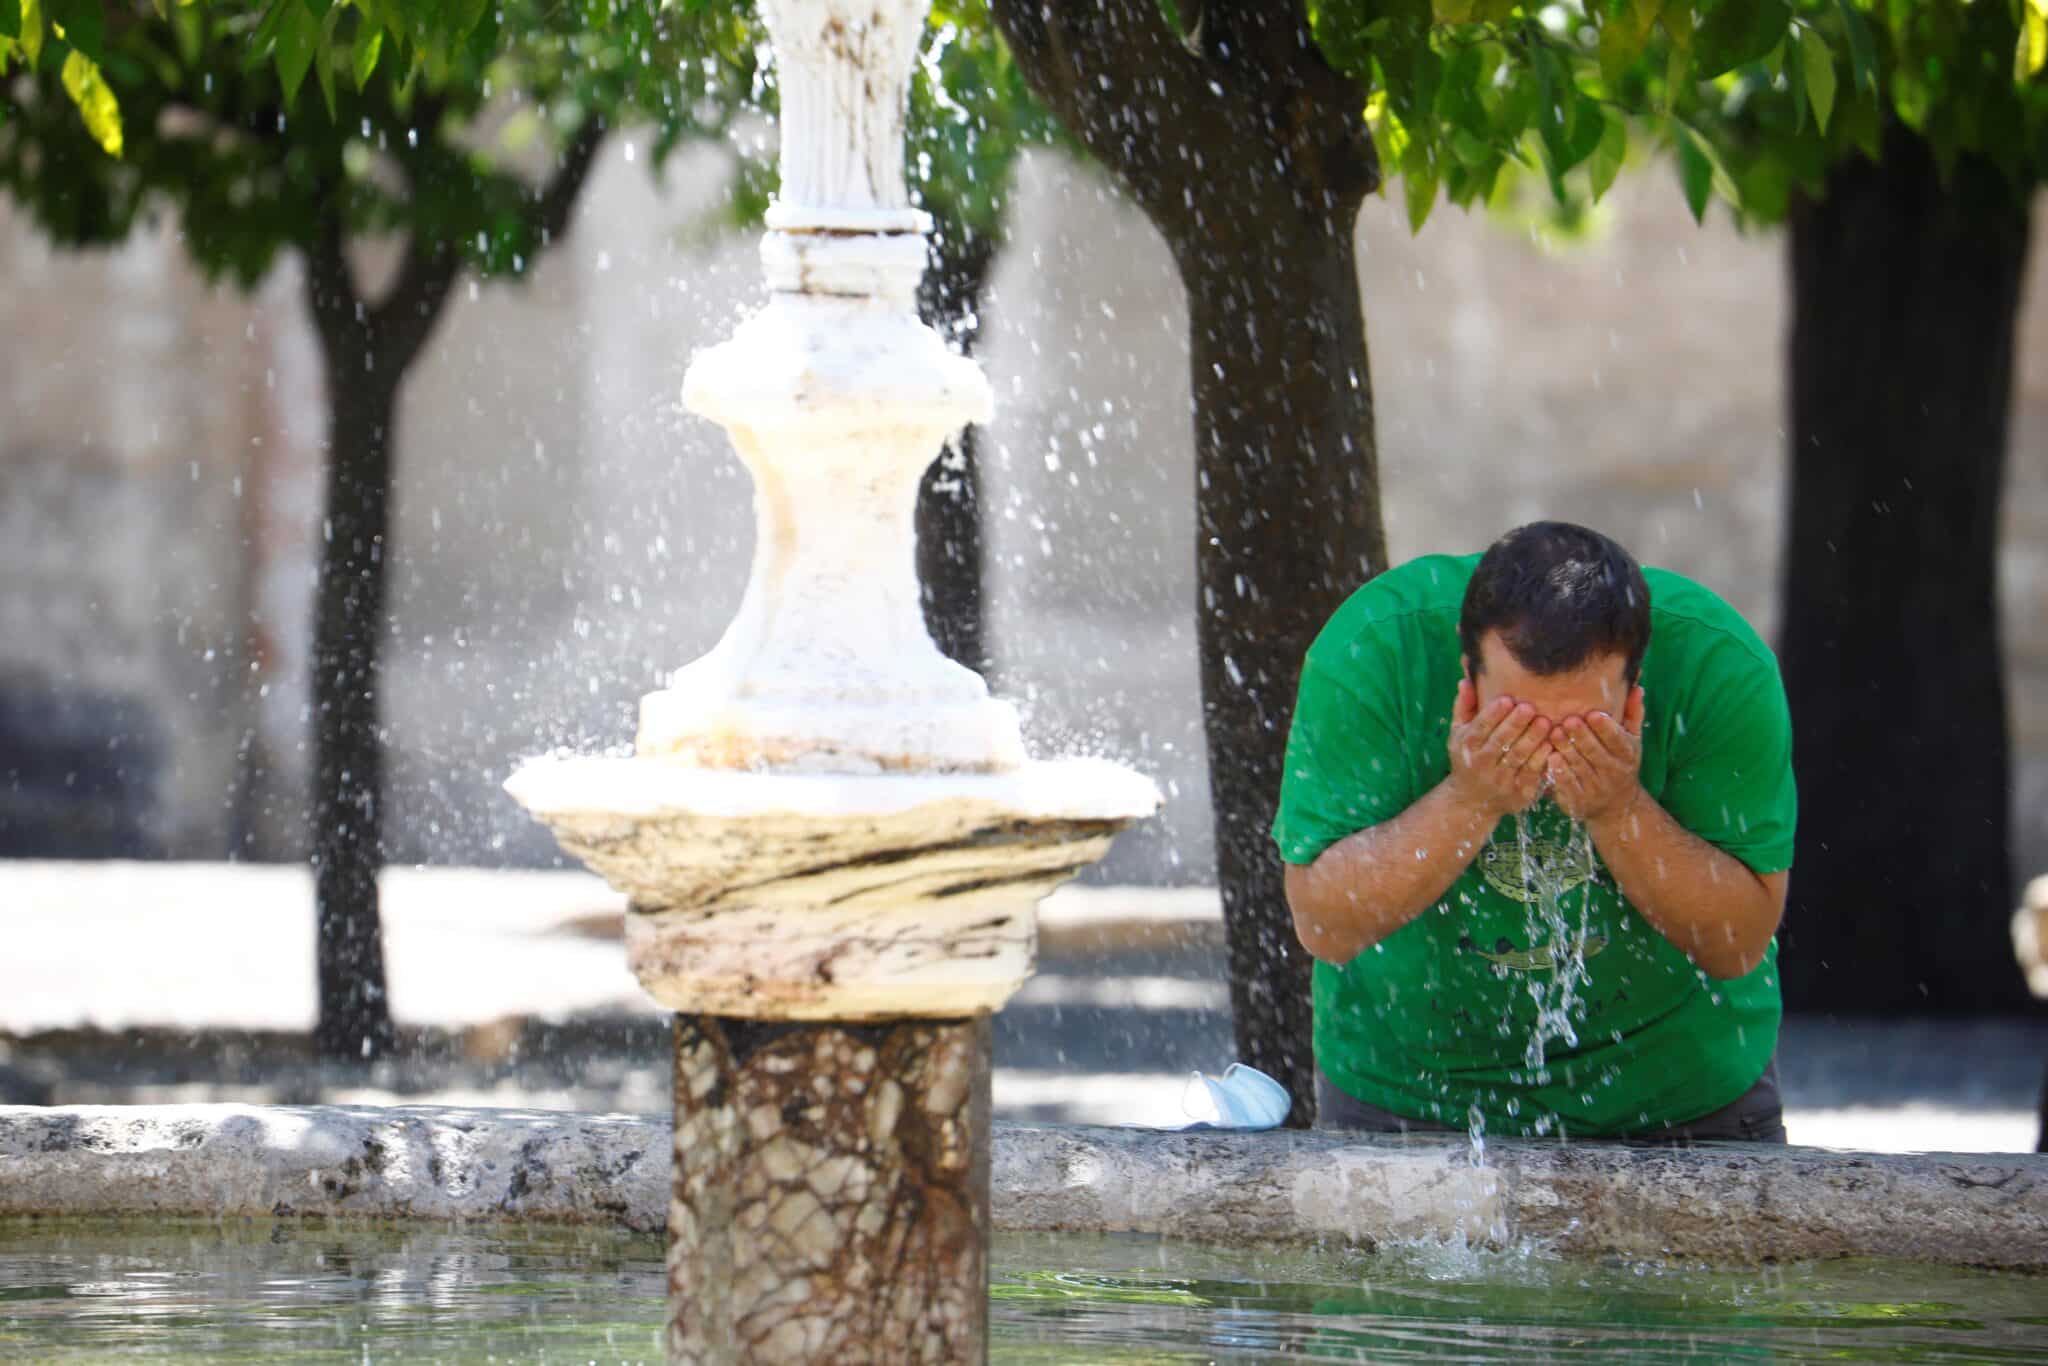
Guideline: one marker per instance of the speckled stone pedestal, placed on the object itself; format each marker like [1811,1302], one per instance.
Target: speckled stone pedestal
[831,1196]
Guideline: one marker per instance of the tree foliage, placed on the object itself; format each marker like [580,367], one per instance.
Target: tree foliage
[1753,99]
[259,121]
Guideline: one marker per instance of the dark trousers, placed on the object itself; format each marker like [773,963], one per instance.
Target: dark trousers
[1755,1116]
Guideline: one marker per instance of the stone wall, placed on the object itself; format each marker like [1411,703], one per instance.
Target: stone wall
[122,402]
[565,535]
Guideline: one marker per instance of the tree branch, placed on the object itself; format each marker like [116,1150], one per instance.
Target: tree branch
[1273,32]
[1118,78]
[331,292]
[558,200]
[402,323]
[1315,109]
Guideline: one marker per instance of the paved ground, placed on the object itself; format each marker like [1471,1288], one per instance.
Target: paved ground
[192,982]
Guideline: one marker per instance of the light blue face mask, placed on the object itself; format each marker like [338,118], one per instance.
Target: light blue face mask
[1242,1098]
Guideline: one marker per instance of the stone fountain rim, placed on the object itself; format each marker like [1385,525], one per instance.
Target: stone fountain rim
[1067,789]
[1724,1204]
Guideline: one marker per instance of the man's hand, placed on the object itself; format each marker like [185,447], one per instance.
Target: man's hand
[1595,761]
[1498,755]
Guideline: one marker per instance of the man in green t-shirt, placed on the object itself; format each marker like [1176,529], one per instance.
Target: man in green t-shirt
[1537,818]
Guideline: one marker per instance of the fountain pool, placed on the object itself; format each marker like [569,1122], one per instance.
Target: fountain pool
[308,1291]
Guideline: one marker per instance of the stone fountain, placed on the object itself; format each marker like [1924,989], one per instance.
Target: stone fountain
[831,838]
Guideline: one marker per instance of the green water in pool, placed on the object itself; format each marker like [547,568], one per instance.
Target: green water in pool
[306,1292]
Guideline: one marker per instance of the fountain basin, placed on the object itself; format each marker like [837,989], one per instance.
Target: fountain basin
[1723,1204]
[829,896]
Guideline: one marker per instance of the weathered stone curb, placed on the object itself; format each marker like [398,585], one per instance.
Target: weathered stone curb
[1732,1204]
[338,1161]
[1736,1204]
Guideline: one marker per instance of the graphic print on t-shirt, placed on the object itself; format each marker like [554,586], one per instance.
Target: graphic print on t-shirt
[1548,863]
[1539,859]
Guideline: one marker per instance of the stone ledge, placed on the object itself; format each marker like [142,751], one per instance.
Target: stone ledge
[1731,1204]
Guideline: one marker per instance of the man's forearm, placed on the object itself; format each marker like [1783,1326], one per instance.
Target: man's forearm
[1369,884]
[1705,901]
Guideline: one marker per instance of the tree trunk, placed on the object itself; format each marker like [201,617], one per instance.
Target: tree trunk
[1904,293]
[949,568]
[366,351]
[1247,152]
[1287,525]
[348,748]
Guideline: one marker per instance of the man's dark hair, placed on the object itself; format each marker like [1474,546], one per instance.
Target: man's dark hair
[1558,594]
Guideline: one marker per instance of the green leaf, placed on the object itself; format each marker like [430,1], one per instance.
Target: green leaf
[272,23]
[323,61]
[1678,72]
[2030,54]
[369,43]
[1817,65]
[1518,107]
[1605,163]
[1792,67]
[298,41]
[1623,39]
[1457,96]
[1469,148]
[1388,131]
[1862,48]
[1572,126]
[1738,32]
[1695,174]
[10,18]
[1418,186]
[96,104]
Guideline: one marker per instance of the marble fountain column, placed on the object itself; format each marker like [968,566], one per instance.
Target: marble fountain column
[831,838]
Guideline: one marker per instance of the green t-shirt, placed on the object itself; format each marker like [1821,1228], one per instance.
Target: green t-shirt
[1438,1018]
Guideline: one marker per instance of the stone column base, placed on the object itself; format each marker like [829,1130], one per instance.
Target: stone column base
[830,1198]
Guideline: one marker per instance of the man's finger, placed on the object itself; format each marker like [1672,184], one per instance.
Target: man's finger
[1577,742]
[1467,706]
[1526,757]
[1510,729]
[1530,774]
[1580,739]
[1534,732]
[1479,730]
[1565,781]
[1616,741]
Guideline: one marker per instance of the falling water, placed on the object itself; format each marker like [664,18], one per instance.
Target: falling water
[1556,994]
[1555,959]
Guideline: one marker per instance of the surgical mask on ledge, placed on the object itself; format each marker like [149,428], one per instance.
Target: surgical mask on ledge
[1242,1098]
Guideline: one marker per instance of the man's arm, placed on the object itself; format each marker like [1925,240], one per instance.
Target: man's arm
[1371,883]
[1709,904]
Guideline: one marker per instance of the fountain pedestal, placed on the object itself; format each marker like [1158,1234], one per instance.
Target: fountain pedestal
[835,1190]
[831,839]
[833,945]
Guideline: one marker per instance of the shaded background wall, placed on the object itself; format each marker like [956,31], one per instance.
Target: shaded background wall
[566,535]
